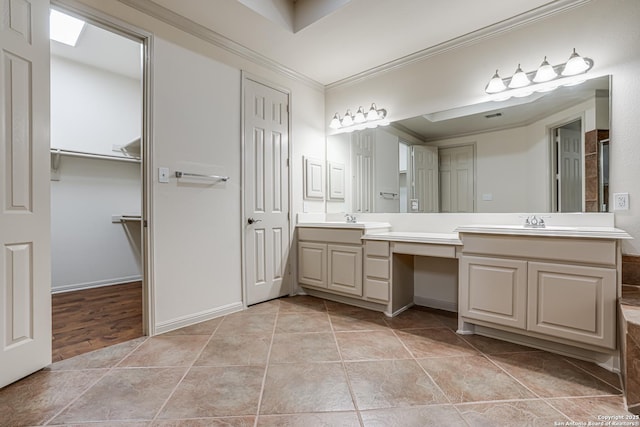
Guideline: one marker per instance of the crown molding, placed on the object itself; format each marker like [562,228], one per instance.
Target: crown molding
[493,30]
[176,20]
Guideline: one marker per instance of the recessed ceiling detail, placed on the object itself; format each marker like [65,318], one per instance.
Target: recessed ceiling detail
[294,15]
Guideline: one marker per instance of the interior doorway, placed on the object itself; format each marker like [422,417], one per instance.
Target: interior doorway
[97,116]
[567,166]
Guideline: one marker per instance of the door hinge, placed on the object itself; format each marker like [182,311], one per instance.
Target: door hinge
[144,223]
[287,162]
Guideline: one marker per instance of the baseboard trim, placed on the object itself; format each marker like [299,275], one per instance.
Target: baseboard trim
[436,303]
[96,284]
[192,319]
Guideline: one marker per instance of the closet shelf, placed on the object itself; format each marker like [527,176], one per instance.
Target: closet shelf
[71,153]
[123,218]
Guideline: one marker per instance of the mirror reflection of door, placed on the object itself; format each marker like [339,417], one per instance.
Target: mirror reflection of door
[568,164]
[457,178]
[423,176]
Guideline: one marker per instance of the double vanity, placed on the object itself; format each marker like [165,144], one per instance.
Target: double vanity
[554,287]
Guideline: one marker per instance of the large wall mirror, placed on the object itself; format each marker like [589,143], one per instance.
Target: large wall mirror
[547,152]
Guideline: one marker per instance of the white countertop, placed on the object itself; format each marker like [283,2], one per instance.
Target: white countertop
[348,225]
[416,237]
[548,231]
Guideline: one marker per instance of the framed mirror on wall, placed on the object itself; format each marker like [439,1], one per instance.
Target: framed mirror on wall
[547,152]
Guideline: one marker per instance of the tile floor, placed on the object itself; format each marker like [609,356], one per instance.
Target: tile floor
[303,361]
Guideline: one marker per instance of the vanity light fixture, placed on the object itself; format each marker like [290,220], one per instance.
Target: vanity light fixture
[546,78]
[373,118]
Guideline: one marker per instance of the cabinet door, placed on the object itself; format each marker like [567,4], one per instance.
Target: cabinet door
[312,264]
[494,290]
[573,302]
[345,269]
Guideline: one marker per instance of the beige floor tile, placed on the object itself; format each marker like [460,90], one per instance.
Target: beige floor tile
[435,342]
[216,392]
[534,413]
[306,347]
[240,323]
[609,377]
[549,375]
[414,319]
[203,328]
[370,345]
[420,416]
[493,346]
[322,419]
[229,350]
[305,388]
[106,357]
[38,397]
[303,322]
[124,394]
[473,379]
[392,383]
[364,320]
[207,422]
[592,409]
[302,303]
[105,424]
[178,350]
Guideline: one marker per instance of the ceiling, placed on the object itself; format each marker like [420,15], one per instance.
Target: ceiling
[105,50]
[353,36]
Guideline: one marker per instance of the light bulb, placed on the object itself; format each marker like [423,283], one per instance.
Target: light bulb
[545,72]
[575,65]
[335,122]
[347,120]
[495,85]
[373,113]
[519,79]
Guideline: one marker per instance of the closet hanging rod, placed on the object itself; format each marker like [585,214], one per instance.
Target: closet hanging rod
[83,154]
[180,174]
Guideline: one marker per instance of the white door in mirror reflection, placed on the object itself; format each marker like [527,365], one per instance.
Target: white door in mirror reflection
[457,177]
[423,176]
[362,151]
[569,142]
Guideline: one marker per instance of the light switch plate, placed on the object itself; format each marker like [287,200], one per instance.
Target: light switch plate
[163,175]
[620,201]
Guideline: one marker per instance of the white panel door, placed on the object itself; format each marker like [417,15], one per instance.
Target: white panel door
[457,177]
[25,273]
[266,191]
[570,165]
[424,177]
[362,156]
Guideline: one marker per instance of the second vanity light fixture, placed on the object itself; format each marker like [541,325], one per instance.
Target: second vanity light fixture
[545,79]
[373,118]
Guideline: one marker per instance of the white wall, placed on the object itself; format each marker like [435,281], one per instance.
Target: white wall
[87,249]
[92,109]
[605,30]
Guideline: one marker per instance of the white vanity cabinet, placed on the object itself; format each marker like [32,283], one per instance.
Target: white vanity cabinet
[330,259]
[377,270]
[548,287]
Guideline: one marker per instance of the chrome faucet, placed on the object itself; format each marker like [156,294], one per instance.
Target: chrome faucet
[351,219]
[534,222]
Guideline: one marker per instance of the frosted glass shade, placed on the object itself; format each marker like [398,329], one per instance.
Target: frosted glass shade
[335,122]
[495,85]
[545,72]
[575,65]
[519,79]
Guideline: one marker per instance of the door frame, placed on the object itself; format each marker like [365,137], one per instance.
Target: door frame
[553,157]
[292,266]
[137,34]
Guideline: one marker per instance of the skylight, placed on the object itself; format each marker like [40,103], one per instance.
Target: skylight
[64,28]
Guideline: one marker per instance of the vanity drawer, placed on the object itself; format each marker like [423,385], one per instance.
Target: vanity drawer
[376,267]
[376,290]
[376,248]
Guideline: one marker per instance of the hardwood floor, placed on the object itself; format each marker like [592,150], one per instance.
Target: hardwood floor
[90,319]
